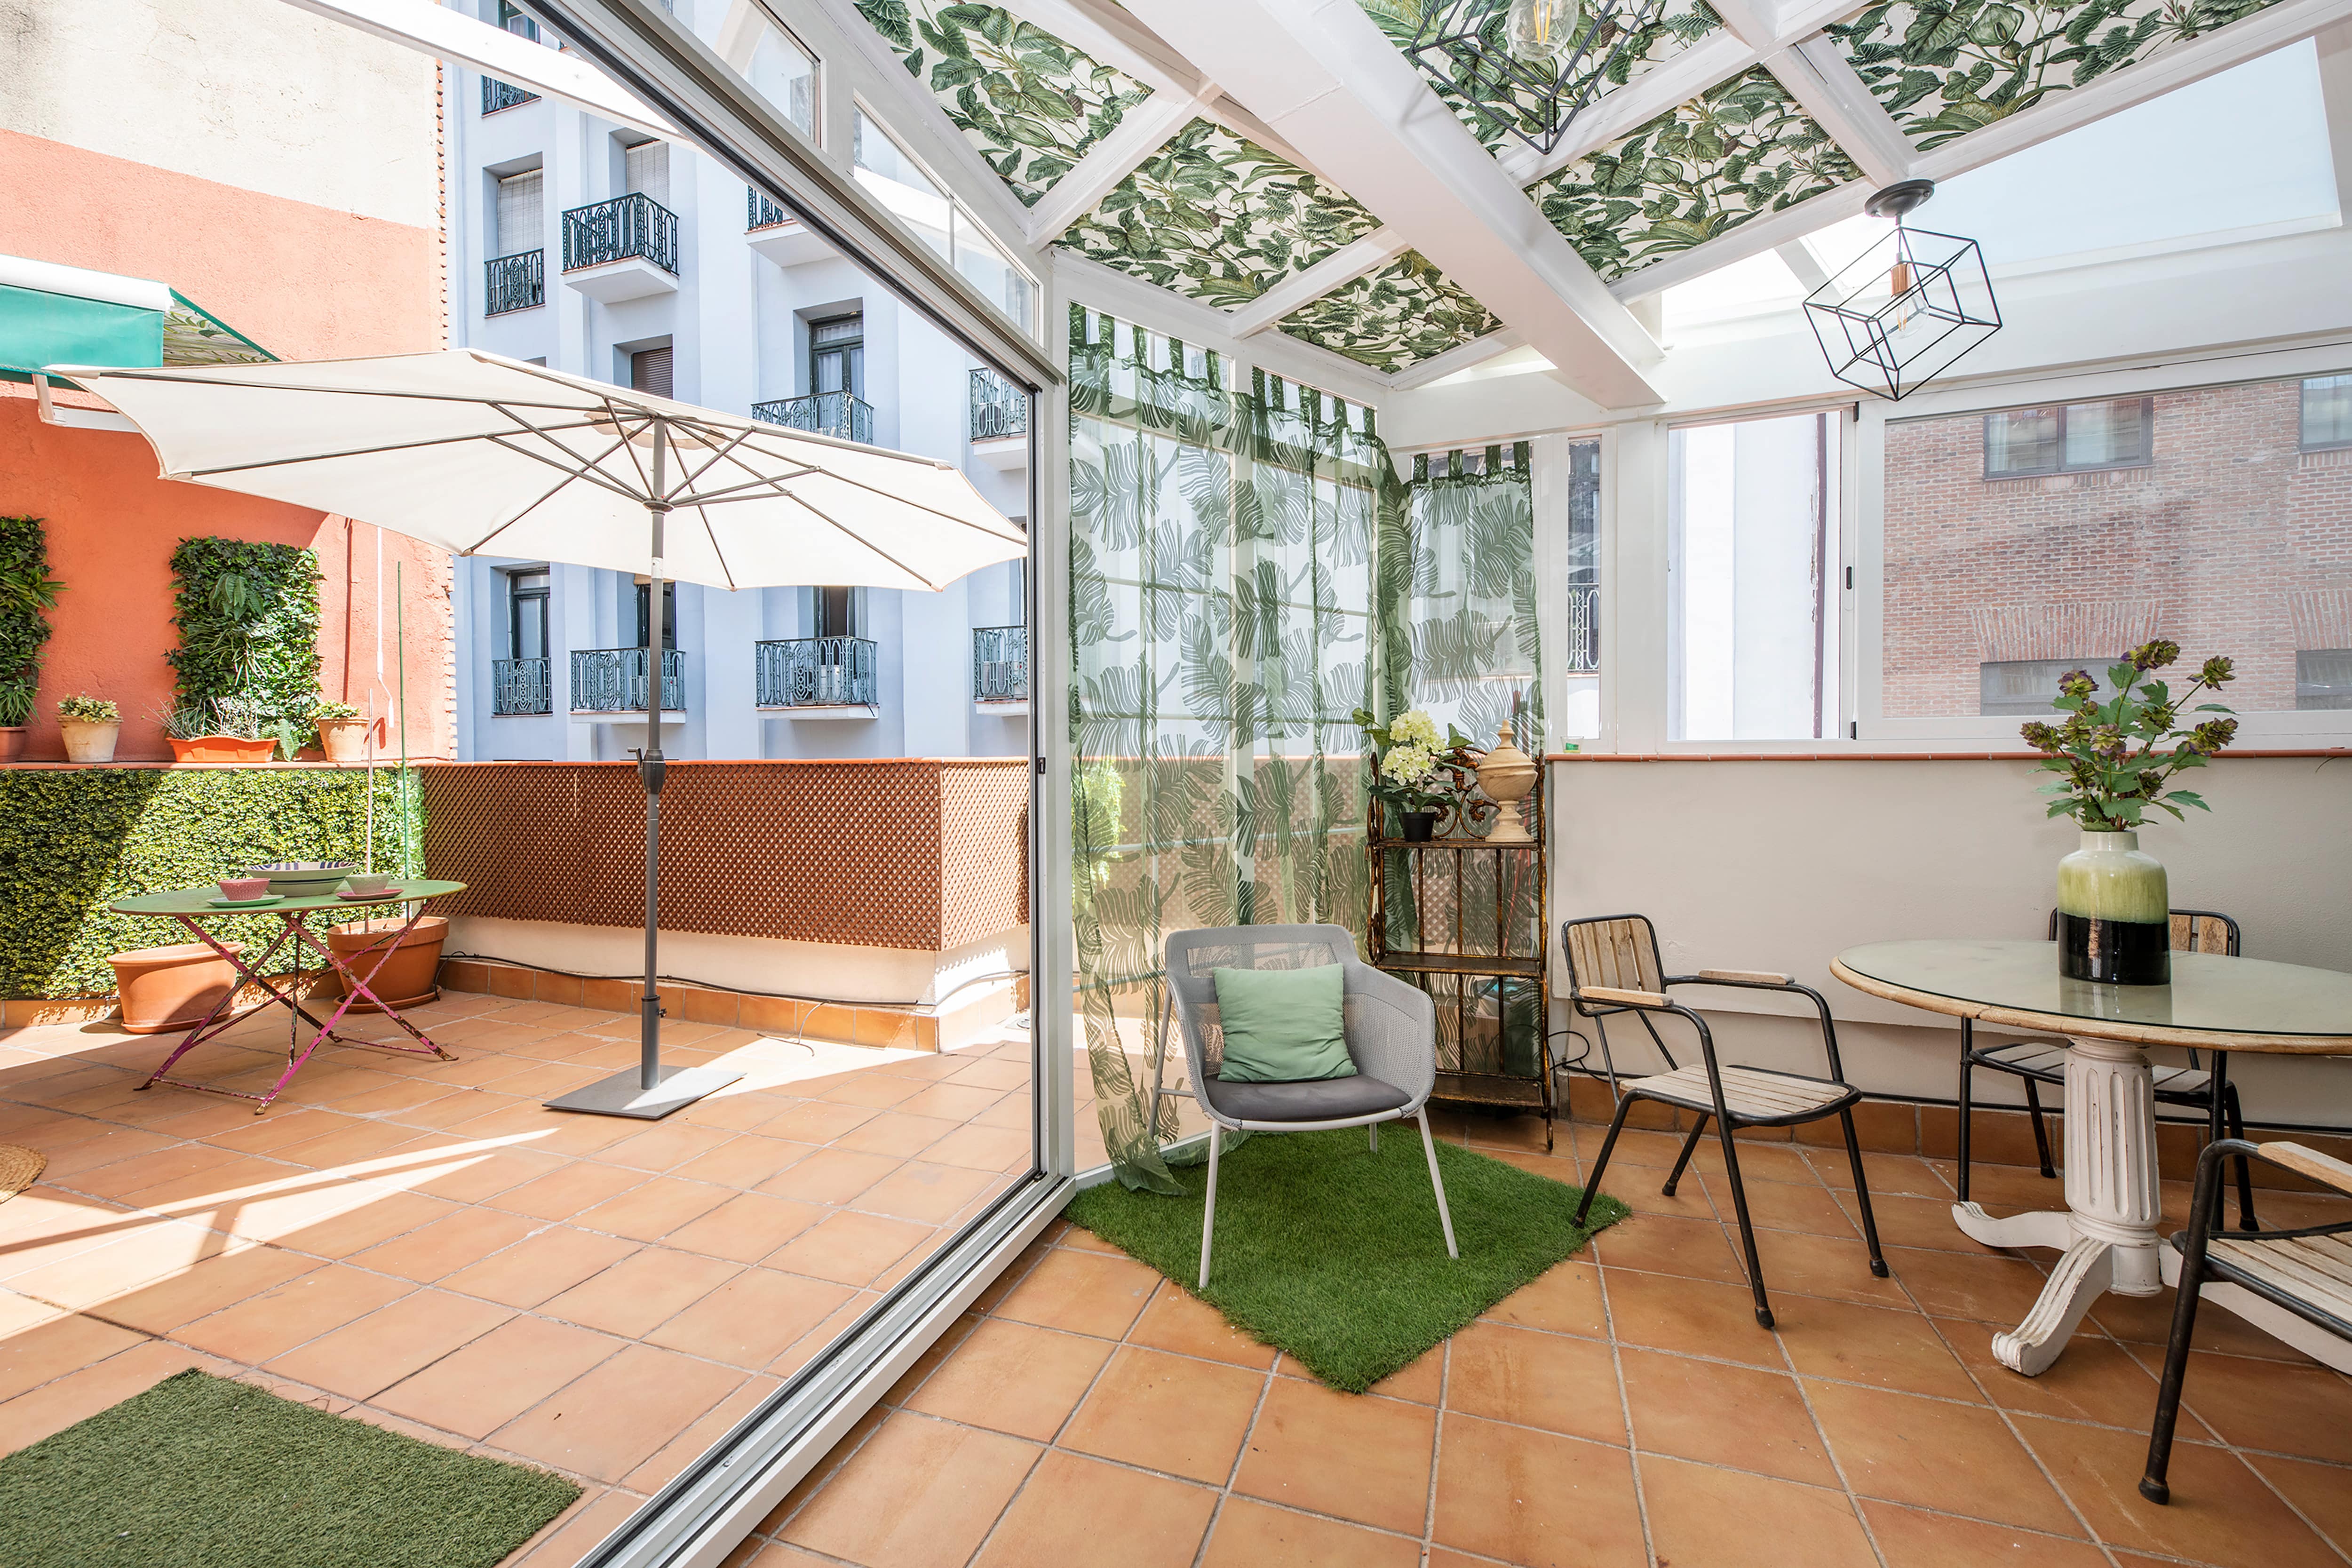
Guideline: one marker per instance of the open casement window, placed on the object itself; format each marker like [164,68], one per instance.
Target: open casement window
[1752,572]
[643,600]
[527,595]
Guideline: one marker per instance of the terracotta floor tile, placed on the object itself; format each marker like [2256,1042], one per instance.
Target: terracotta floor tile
[1897,1176]
[1565,1299]
[1556,1382]
[563,1192]
[125,1177]
[744,1161]
[925,1193]
[748,1226]
[279,1319]
[1536,1499]
[1084,1292]
[93,1145]
[1661,1244]
[1701,1515]
[698,1436]
[471,1178]
[1906,1221]
[665,1145]
[2219,1512]
[1075,1509]
[1784,1206]
[919,1494]
[1362,1459]
[750,1320]
[877,1090]
[1893,1348]
[851,1248]
[335,1218]
[483,1385]
[138,1256]
[897,1134]
[1796,1263]
[641,1292]
[539,1267]
[1252,1535]
[1167,1413]
[2323,1494]
[1178,1320]
[379,1349]
[56,1348]
[1747,1420]
[205,1287]
[1911,1538]
[2305,1411]
[446,1244]
[830,1176]
[361,1142]
[2094,1380]
[1932,1453]
[1422,1380]
[2148,1321]
[982,1148]
[1982,1287]
[957,1102]
[653,1209]
[608,1422]
[816,1120]
[1695,1317]
[56,1405]
[1012,1378]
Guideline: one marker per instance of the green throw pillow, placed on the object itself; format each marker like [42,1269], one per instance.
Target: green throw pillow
[1283,1025]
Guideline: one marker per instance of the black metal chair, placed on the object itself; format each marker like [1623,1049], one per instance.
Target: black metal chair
[2306,1273]
[2037,1062]
[1613,968]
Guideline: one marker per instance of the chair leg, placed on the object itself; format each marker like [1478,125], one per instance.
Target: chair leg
[1746,1230]
[1437,1184]
[1968,1099]
[1862,1193]
[1682,1160]
[2229,1092]
[1375,1131]
[1208,1219]
[1592,1182]
[2040,1132]
[2152,1483]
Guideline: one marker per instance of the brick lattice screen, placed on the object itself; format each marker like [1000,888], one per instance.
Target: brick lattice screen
[901,853]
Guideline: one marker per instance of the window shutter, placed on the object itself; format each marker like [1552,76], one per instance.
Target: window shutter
[649,371]
[645,168]
[521,220]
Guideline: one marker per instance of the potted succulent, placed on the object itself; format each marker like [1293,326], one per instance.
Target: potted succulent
[16,707]
[91,725]
[227,730]
[2114,761]
[343,732]
[1416,773]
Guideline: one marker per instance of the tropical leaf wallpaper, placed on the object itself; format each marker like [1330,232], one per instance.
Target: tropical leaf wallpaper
[1398,316]
[1487,102]
[1030,104]
[1944,67]
[1700,170]
[1218,219]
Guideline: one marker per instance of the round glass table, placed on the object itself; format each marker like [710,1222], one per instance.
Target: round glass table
[2108,1229]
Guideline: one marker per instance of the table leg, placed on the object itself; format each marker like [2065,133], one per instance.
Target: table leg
[213,1023]
[2109,1232]
[358,988]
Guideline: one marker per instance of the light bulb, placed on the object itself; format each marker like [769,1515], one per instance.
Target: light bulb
[1540,32]
[1898,289]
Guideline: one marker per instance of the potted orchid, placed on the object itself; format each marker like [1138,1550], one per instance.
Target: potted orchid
[1417,773]
[2115,760]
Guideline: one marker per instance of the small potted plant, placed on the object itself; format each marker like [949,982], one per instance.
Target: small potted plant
[2114,761]
[228,731]
[16,707]
[343,732]
[1416,773]
[91,726]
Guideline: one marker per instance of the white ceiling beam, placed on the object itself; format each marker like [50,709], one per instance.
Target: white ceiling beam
[1751,238]
[1827,89]
[1620,111]
[2336,99]
[1799,259]
[1461,357]
[1141,132]
[1330,83]
[1343,265]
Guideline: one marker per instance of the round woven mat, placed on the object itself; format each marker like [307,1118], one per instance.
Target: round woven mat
[19,1168]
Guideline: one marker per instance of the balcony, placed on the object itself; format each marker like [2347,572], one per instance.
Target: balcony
[834,414]
[1000,669]
[498,95]
[777,234]
[520,686]
[999,421]
[819,676]
[517,282]
[624,249]
[613,681]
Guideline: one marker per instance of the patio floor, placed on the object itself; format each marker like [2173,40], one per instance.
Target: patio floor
[1625,1409]
[420,1244]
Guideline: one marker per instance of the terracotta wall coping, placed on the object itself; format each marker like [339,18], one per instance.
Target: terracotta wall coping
[1876,756]
[630,763]
[392,763]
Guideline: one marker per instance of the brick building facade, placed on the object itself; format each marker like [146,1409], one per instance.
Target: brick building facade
[2230,539]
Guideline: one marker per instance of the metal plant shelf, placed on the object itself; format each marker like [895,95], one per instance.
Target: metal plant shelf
[1466,919]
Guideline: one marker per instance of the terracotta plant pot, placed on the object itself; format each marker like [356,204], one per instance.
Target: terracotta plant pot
[11,743]
[222,749]
[344,740]
[407,977]
[171,987]
[89,742]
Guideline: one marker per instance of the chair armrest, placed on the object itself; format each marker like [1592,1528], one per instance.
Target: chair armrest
[2310,1163]
[1744,977]
[1624,998]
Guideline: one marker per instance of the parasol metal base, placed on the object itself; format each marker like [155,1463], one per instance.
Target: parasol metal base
[621,1094]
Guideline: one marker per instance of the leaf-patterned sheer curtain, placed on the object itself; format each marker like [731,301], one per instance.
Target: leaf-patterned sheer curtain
[1221,604]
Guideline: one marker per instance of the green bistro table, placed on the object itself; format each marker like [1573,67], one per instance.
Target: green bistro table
[192,906]
[2107,1231]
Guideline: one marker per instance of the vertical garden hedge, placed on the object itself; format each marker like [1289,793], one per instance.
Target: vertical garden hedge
[26,593]
[73,840]
[249,617]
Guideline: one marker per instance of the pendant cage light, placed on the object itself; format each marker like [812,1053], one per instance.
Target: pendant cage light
[1908,308]
[1531,66]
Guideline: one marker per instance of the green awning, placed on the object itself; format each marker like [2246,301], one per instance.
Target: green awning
[51,314]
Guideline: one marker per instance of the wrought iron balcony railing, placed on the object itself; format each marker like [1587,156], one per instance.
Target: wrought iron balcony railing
[817,672]
[999,408]
[613,681]
[1583,629]
[758,212]
[498,95]
[634,225]
[520,686]
[1000,664]
[835,414]
[516,282]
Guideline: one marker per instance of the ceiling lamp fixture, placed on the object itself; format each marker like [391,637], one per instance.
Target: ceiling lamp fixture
[1908,307]
[1531,66]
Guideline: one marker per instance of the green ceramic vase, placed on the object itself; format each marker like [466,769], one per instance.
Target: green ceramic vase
[2114,913]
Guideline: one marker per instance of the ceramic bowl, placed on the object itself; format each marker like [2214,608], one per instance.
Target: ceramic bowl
[243,888]
[302,879]
[366,882]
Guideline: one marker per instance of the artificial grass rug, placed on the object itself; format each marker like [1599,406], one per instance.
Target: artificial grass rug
[1332,1254]
[203,1472]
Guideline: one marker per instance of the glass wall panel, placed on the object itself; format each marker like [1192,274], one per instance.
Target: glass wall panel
[785,75]
[1579,714]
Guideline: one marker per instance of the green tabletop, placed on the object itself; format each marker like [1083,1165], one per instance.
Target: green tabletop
[198,901]
[2257,1005]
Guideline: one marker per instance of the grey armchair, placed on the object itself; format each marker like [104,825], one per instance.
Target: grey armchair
[1390,1030]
